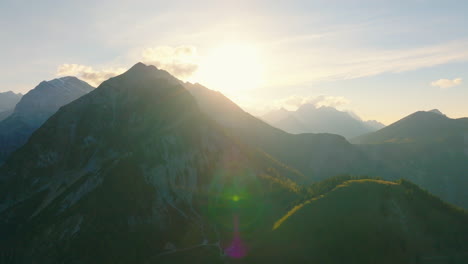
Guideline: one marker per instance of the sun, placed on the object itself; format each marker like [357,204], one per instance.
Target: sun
[232,69]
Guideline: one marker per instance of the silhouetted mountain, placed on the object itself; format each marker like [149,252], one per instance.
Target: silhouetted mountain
[436,111]
[34,108]
[8,100]
[436,167]
[428,148]
[310,119]
[136,172]
[133,172]
[318,156]
[432,126]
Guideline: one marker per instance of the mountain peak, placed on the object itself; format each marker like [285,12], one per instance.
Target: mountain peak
[141,72]
[138,66]
[68,78]
[47,97]
[141,67]
[436,111]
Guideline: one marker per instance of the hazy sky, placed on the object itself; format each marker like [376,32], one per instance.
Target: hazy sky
[381,59]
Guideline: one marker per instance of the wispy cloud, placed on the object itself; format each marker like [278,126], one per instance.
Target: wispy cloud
[88,73]
[295,101]
[329,63]
[446,83]
[180,61]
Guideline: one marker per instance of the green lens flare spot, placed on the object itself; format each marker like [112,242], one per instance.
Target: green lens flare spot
[235,198]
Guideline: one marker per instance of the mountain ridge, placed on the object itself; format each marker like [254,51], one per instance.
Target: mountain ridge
[417,127]
[34,108]
[134,155]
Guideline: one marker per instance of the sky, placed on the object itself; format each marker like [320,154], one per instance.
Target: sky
[380,59]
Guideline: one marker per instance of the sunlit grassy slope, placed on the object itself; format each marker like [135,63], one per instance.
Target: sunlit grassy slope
[370,221]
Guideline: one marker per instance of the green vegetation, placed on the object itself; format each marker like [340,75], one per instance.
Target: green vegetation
[371,221]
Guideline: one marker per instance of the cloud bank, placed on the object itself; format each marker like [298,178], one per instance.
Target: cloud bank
[446,83]
[180,61]
[88,73]
[295,101]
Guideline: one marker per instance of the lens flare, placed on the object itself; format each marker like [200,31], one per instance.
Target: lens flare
[234,192]
[233,202]
[237,248]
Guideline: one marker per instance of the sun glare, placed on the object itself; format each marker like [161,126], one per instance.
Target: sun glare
[232,68]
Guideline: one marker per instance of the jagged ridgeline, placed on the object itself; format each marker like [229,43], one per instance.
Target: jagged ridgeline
[134,172]
[34,108]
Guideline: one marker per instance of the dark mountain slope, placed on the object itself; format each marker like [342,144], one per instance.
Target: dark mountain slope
[134,172]
[5,114]
[35,108]
[439,167]
[428,148]
[420,127]
[369,221]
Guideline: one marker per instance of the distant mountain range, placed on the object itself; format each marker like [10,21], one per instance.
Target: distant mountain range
[320,156]
[311,119]
[35,107]
[149,169]
[317,156]
[8,100]
[435,164]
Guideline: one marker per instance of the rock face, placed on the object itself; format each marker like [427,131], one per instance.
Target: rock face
[35,108]
[8,100]
[131,172]
[310,119]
